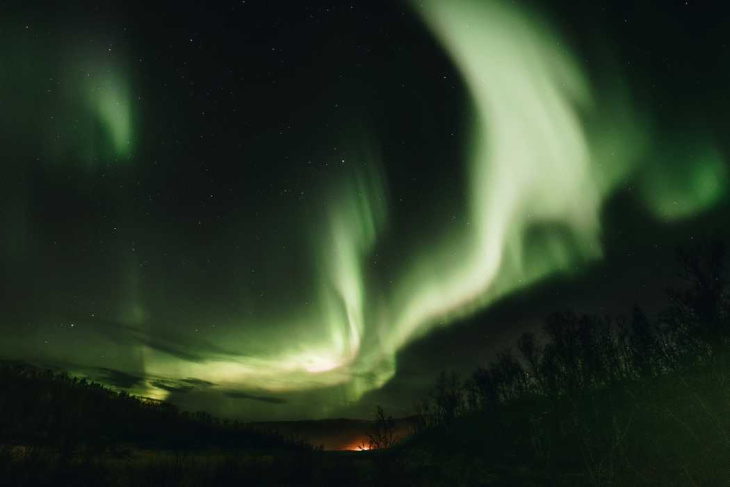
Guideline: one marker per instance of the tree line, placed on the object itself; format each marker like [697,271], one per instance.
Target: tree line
[596,399]
[577,353]
[41,407]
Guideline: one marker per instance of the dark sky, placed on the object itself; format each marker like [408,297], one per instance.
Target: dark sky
[288,210]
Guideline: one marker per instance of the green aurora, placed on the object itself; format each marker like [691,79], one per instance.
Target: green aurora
[531,163]
[546,150]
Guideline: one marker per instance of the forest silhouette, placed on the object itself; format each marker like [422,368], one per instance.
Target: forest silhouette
[588,400]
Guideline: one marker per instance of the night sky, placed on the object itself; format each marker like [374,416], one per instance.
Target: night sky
[298,210]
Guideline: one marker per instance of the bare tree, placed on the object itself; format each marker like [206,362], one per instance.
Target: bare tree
[448,398]
[531,352]
[381,432]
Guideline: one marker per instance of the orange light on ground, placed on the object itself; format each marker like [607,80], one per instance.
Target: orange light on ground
[358,445]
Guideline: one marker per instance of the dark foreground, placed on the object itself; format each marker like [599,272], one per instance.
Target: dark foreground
[139,468]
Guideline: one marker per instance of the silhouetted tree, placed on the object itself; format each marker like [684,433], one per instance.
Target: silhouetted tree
[703,298]
[484,389]
[509,377]
[562,355]
[448,398]
[643,344]
[381,431]
[530,353]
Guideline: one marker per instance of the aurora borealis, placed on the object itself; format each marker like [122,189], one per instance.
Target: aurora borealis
[263,212]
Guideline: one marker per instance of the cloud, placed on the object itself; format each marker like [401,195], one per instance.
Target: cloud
[197,382]
[104,375]
[123,380]
[254,397]
[178,345]
[171,386]
[181,386]
[118,378]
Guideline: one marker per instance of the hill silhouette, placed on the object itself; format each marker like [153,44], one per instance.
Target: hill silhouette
[41,407]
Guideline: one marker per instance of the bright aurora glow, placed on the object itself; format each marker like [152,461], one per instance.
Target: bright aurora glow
[531,162]
[546,150]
